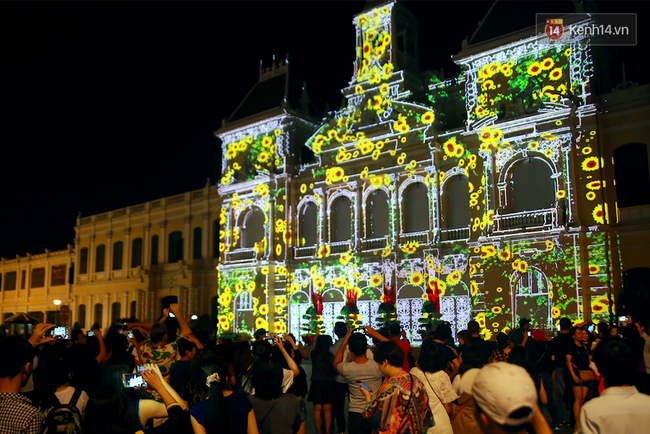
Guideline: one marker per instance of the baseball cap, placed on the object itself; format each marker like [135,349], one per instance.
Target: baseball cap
[260,332]
[537,335]
[467,380]
[502,388]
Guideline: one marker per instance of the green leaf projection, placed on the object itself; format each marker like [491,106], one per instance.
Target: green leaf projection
[376,209]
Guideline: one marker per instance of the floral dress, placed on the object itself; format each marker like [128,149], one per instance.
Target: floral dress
[401,407]
[162,355]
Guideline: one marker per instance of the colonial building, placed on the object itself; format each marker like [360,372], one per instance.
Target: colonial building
[497,188]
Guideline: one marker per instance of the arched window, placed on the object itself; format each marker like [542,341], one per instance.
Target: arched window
[416,208]
[631,171]
[197,243]
[298,305]
[253,227]
[307,229]
[136,252]
[409,311]
[341,219]
[455,202]
[531,186]
[83,260]
[81,315]
[117,255]
[175,247]
[100,254]
[115,311]
[244,317]
[333,302]
[99,311]
[531,299]
[154,250]
[377,215]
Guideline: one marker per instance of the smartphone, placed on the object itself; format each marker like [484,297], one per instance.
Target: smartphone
[270,340]
[364,386]
[60,333]
[622,318]
[129,334]
[133,380]
[558,328]
[171,315]
[90,333]
[591,327]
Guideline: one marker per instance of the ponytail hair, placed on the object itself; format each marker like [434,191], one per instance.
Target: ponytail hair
[214,373]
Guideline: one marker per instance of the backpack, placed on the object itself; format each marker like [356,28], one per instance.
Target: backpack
[64,418]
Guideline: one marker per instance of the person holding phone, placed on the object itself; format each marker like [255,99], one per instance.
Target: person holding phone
[360,370]
[156,349]
[401,404]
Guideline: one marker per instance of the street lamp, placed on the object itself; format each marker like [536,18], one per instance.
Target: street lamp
[57,302]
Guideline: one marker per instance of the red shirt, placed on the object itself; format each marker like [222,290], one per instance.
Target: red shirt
[406,347]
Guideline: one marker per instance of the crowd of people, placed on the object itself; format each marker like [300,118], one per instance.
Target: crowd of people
[167,378]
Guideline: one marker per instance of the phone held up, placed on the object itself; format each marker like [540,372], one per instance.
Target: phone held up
[364,386]
[90,333]
[60,333]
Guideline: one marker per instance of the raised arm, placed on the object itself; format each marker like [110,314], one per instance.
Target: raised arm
[374,334]
[185,329]
[102,346]
[38,337]
[287,357]
[338,357]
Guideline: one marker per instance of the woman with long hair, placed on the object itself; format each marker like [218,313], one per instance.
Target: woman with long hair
[430,370]
[577,359]
[321,392]
[276,412]
[56,390]
[221,409]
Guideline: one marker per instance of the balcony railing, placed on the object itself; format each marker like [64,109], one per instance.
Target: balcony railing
[305,252]
[339,247]
[241,255]
[375,243]
[454,234]
[540,219]
[415,237]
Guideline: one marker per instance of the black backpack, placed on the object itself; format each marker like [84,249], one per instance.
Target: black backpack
[64,418]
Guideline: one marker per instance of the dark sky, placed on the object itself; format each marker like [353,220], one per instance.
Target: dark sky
[106,105]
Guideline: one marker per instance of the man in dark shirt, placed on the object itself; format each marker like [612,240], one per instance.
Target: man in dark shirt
[485,348]
[560,344]
[17,414]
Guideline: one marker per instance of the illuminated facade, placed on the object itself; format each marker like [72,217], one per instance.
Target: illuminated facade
[496,187]
[491,187]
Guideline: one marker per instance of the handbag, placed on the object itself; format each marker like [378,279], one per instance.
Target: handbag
[587,375]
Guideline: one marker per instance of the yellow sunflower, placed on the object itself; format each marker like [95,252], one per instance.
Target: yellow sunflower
[590,164]
[416,279]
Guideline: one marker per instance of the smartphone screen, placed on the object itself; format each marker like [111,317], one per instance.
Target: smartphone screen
[270,340]
[133,380]
[364,386]
[622,318]
[591,328]
[60,333]
[90,333]
[129,334]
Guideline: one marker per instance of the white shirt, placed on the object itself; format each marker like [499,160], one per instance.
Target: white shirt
[442,391]
[65,396]
[617,410]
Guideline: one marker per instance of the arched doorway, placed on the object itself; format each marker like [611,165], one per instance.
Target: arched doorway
[530,293]
[409,311]
[455,307]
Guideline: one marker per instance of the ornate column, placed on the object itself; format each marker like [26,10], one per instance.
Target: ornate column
[106,312]
[188,237]
[191,303]
[183,300]
[124,311]
[90,311]
[91,258]
[77,248]
[146,257]
[162,259]
[127,251]
[108,259]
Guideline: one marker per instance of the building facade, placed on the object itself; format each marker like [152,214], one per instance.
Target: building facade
[508,189]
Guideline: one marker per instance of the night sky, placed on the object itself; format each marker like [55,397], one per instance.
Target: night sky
[107,105]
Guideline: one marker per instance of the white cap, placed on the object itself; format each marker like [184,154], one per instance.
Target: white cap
[467,380]
[501,388]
